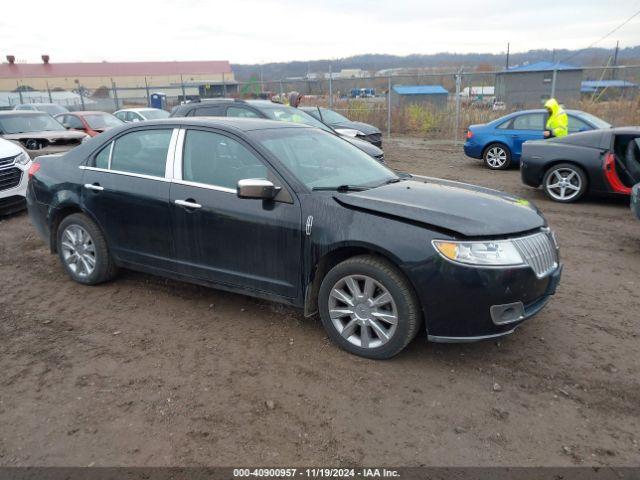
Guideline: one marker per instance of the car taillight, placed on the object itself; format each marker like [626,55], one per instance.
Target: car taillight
[469,134]
[35,166]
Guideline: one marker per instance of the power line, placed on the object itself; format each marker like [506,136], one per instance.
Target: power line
[605,36]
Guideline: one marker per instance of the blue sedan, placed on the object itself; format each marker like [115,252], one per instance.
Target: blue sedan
[499,143]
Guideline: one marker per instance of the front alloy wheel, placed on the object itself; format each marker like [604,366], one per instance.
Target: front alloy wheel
[565,183]
[368,307]
[363,311]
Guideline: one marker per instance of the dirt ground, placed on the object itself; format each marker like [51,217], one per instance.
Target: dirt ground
[144,371]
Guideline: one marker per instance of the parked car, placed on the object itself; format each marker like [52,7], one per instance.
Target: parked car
[294,214]
[635,200]
[14,165]
[499,143]
[141,114]
[50,108]
[91,123]
[38,133]
[228,107]
[599,161]
[346,127]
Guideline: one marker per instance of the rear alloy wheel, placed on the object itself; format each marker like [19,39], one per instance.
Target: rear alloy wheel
[368,308]
[83,250]
[565,183]
[497,157]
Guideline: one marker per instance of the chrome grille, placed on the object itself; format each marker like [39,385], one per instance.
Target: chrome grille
[10,178]
[539,252]
[7,162]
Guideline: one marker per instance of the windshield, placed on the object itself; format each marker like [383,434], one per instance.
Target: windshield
[597,122]
[330,116]
[154,114]
[52,109]
[323,160]
[284,113]
[101,121]
[29,123]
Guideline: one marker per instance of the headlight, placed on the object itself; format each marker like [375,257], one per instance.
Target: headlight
[490,253]
[349,132]
[22,159]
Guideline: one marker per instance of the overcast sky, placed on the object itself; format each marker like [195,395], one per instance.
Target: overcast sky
[258,31]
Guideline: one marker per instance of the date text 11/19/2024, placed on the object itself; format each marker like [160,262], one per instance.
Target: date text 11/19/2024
[315,472]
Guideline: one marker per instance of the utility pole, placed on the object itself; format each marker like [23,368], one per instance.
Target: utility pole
[507,65]
[389,106]
[330,87]
[553,82]
[615,61]
[458,85]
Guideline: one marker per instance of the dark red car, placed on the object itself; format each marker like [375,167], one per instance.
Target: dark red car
[92,123]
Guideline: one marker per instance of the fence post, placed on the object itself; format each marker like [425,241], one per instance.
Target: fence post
[330,88]
[146,87]
[115,94]
[389,106]
[49,92]
[457,126]
[20,93]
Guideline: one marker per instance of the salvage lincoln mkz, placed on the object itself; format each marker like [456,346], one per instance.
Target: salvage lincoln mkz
[294,214]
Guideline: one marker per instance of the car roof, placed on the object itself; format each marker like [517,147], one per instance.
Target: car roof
[631,130]
[236,123]
[85,112]
[6,113]
[139,109]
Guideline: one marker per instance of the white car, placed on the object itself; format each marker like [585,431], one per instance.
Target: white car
[14,168]
[50,108]
[140,114]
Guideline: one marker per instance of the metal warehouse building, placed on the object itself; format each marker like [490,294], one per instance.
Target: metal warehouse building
[413,94]
[531,85]
[132,79]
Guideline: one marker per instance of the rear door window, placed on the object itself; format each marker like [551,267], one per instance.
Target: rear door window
[143,152]
[529,121]
[212,111]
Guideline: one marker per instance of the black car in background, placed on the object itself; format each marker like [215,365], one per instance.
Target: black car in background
[296,215]
[346,127]
[229,107]
[599,161]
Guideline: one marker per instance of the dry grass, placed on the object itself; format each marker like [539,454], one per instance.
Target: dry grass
[432,122]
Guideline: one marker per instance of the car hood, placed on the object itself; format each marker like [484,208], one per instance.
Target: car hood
[363,127]
[363,145]
[468,210]
[49,135]
[9,149]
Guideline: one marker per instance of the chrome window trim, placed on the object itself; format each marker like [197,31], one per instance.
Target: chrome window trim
[171,152]
[204,185]
[127,174]
[110,154]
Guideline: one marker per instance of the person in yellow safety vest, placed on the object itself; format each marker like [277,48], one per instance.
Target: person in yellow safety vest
[558,122]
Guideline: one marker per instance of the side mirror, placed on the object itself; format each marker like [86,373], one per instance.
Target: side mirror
[256,188]
[135,119]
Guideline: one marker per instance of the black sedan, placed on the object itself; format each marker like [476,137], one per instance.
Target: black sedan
[346,127]
[294,214]
[600,161]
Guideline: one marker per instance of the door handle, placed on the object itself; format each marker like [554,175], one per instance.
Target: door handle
[93,186]
[188,203]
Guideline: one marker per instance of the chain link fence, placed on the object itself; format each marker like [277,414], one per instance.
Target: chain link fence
[430,105]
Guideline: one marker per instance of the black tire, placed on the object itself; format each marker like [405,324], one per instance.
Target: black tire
[104,267]
[405,306]
[497,156]
[579,180]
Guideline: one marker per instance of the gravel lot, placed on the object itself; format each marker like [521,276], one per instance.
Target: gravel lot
[144,371]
